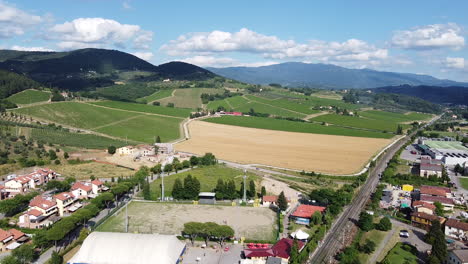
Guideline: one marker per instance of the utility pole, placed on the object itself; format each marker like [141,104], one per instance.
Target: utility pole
[162,187]
[126,218]
[245,186]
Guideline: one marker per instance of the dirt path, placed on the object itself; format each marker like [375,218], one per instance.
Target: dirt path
[116,122]
[314,115]
[131,111]
[383,244]
[285,109]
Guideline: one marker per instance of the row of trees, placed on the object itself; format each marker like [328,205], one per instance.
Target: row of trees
[189,190]
[208,230]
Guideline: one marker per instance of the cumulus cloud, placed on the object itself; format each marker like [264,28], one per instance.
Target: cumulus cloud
[14,21]
[144,55]
[430,37]
[100,32]
[21,48]
[455,63]
[272,47]
[211,61]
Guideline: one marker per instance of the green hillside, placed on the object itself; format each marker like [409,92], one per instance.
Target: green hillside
[29,97]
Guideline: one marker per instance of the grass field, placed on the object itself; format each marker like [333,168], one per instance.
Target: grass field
[167,218]
[284,104]
[157,95]
[291,126]
[398,255]
[29,97]
[302,151]
[464,183]
[118,123]
[159,110]
[374,235]
[189,97]
[208,177]
[84,171]
[394,117]
[357,122]
[454,145]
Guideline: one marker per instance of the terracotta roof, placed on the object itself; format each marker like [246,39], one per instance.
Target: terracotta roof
[270,198]
[16,233]
[430,167]
[306,211]
[423,204]
[282,248]
[22,179]
[443,200]
[64,196]
[97,182]
[4,234]
[41,202]
[259,253]
[433,190]
[85,186]
[457,224]
[34,212]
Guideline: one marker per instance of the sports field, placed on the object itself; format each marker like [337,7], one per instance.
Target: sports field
[166,218]
[303,151]
[29,97]
[454,145]
[142,127]
[189,97]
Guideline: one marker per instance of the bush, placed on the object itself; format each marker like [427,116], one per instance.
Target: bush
[384,224]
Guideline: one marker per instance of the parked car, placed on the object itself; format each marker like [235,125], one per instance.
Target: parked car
[413,152]
[226,249]
[404,233]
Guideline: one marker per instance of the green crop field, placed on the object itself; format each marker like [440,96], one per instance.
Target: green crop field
[160,110]
[157,95]
[268,109]
[208,177]
[126,125]
[454,145]
[74,139]
[358,122]
[295,106]
[394,117]
[189,97]
[29,97]
[292,126]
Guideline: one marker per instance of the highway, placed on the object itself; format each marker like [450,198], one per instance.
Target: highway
[333,240]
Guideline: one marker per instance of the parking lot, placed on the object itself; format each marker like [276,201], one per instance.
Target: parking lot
[199,255]
[410,153]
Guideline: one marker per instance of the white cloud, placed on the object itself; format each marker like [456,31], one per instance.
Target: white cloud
[21,48]
[211,61]
[14,21]
[245,40]
[430,37]
[455,63]
[147,56]
[126,5]
[100,32]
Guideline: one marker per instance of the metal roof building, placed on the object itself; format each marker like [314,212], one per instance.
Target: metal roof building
[126,248]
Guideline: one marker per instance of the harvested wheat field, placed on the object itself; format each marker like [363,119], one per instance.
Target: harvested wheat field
[303,151]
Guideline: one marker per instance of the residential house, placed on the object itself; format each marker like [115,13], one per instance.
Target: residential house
[446,202]
[81,190]
[282,249]
[423,220]
[435,191]
[457,256]
[456,229]
[11,239]
[23,183]
[18,185]
[304,212]
[41,213]
[424,207]
[145,150]
[127,150]
[165,148]
[268,200]
[98,186]
[66,202]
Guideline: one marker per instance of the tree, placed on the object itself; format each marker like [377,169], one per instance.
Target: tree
[436,238]
[316,218]
[263,191]
[220,189]
[178,189]
[208,159]
[222,232]
[368,247]
[40,239]
[399,130]
[231,192]
[193,230]
[384,224]
[168,168]
[146,191]
[65,155]
[194,161]
[294,253]
[111,150]
[52,155]
[10,260]
[24,253]
[252,191]
[439,208]
[157,169]
[365,222]
[282,202]
[56,258]
[158,139]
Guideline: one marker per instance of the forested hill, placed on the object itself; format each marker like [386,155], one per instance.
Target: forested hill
[297,74]
[11,83]
[435,94]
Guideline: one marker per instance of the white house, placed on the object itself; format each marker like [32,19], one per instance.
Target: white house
[456,229]
[81,190]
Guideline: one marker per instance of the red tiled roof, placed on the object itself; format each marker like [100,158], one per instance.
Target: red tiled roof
[423,204]
[457,224]
[306,211]
[4,234]
[259,253]
[83,186]
[270,198]
[34,212]
[443,200]
[42,202]
[16,233]
[97,182]
[64,196]
[433,190]
[22,179]
[283,247]
[425,216]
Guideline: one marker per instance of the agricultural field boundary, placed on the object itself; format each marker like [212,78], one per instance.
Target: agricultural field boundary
[131,111]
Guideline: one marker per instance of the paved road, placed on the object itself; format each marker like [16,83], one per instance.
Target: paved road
[332,241]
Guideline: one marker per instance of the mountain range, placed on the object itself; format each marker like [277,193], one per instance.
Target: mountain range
[328,76]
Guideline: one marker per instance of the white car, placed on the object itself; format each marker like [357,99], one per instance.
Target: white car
[404,233]
[464,214]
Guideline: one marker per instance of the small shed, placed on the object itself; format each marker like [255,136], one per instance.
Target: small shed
[207,198]
[407,187]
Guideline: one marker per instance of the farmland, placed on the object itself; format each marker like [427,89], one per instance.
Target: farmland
[291,126]
[29,97]
[118,123]
[189,97]
[159,110]
[157,95]
[394,117]
[85,170]
[208,177]
[302,151]
[358,122]
[167,218]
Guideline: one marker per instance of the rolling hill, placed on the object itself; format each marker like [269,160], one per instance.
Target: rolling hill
[297,74]
[435,94]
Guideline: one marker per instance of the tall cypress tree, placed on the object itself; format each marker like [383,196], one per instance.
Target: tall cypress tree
[282,202]
[220,189]
[178,189]
[252,191]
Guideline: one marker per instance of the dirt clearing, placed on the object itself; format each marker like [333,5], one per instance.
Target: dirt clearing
[302,151]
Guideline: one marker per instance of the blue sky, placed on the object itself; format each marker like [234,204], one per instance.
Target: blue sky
[415,36]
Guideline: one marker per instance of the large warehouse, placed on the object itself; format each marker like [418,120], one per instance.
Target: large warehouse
[450,152]
[125,248]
